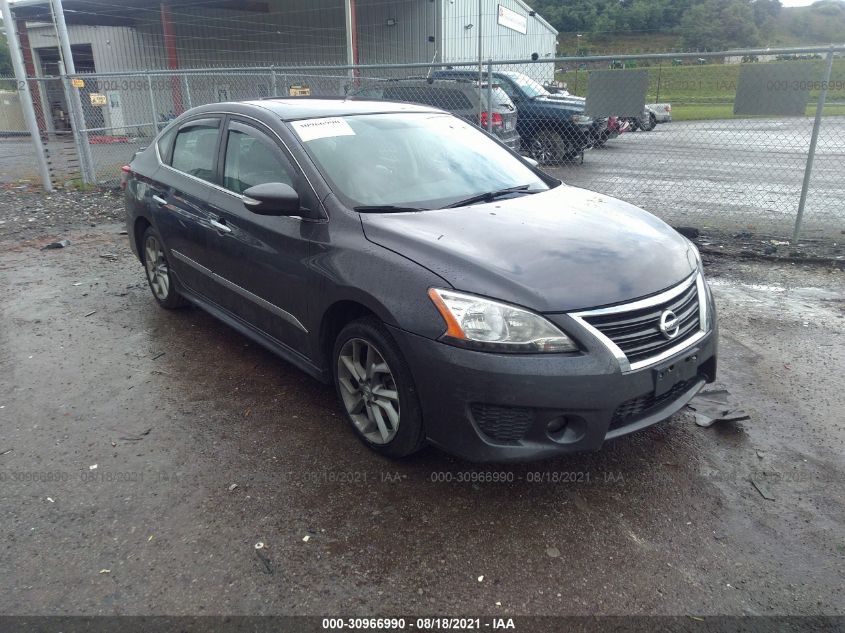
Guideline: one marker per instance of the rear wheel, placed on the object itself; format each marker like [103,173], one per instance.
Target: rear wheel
[376,388]
[158,272]
[648,124]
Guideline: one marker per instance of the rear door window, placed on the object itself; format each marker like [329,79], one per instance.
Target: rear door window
[195,148]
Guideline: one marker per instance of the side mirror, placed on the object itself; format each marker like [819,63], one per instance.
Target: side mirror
[272,198]
[531,161]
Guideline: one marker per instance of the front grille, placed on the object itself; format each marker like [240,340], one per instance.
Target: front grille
[641,406]
[637,332]
[503,424]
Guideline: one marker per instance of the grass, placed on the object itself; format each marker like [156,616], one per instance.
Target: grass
[77,184]
[710,111]
[707,91]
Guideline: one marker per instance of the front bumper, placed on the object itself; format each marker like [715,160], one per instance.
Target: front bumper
[497,407]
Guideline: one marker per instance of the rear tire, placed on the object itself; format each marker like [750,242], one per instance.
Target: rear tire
[376,389]
[649,124]
[157,268]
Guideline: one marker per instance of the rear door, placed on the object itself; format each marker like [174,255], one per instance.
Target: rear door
[261,262]
[180,194]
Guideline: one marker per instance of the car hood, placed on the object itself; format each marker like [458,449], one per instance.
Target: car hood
[560,250]
[570,101]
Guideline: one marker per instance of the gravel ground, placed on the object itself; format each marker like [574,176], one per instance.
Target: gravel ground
[144,453]
[26,211]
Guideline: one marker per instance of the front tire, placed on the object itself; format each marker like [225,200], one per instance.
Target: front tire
[549,148]
[159,277]
[376,389]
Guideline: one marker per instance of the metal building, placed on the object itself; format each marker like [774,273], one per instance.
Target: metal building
[150,34]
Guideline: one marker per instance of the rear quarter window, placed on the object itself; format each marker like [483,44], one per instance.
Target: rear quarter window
[165,143]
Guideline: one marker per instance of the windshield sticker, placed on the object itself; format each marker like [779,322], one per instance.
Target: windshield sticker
[322,128]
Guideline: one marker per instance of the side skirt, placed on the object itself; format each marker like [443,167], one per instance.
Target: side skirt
[258,336]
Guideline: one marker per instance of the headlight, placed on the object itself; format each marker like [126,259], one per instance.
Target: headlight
[699,263]
[497,327]
[581,119]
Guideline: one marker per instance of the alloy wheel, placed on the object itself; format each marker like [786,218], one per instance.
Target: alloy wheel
[543,148]
[368,390]
[155,264]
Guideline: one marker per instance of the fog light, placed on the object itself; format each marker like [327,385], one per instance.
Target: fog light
[556,425]
[566,429]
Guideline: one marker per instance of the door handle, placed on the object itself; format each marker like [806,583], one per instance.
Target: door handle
[161,201]
[220,226]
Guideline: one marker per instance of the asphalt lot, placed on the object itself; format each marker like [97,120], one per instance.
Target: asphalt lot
[726,174]
[144,453]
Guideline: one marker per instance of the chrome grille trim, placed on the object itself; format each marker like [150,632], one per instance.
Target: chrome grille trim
[664,297]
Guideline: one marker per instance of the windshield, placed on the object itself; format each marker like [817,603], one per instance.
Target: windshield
[530,87]
[419,160]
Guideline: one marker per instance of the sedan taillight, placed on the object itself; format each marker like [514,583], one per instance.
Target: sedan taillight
[124,175]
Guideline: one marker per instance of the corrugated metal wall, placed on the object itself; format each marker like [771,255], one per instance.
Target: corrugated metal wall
[460,35]
[396,32]
[114,48]
[287,33]
[292,32]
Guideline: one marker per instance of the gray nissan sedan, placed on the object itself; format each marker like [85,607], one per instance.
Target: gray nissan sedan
[453,293]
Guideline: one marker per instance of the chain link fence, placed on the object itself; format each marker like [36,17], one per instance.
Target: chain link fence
[720,141]
[18,152]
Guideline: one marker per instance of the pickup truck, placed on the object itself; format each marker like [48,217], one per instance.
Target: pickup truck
[553,128]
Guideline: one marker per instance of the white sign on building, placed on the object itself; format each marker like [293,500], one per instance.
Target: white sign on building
[512,20]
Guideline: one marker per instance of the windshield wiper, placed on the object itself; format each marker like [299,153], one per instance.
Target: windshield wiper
[489,196]
[386,208]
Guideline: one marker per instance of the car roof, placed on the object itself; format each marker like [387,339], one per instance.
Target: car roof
[295,108]
[474,73]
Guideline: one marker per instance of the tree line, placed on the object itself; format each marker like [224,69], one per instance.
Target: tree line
[701,24]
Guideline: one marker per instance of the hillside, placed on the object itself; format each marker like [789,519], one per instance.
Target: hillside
[820,23]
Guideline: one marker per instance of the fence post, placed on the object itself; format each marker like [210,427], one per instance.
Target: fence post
[25,96]
[489,95]
[74,102]
[187,84]
[273,89]
[659,75]
[811,155]
[77,125]
[152,103]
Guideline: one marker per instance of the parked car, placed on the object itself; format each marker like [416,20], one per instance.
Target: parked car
[662,112]
[461,97]
[615,127]
[453,292]
[645,122]
[553,128]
